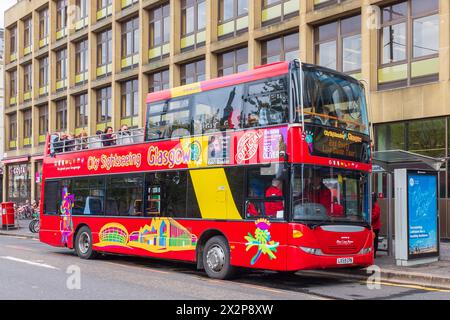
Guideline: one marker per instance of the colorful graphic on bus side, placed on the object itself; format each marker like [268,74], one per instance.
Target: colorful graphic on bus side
[262,240]
[66,224]
[162,235]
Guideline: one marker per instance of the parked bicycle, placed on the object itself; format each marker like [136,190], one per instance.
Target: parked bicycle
[35,223]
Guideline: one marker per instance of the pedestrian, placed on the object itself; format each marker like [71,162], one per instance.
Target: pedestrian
[376,222]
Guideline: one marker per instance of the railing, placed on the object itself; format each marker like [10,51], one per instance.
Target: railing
[60,143]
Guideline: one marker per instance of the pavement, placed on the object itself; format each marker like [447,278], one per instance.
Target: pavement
[434,275]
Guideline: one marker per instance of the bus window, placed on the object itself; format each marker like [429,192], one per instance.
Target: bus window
[124,195]
[265,194]
[218,110]
[89,196]
[51,196]
[267,103]
[166,194]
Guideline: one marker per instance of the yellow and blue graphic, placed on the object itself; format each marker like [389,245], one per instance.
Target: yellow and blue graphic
[162,235]
[262,240]
[113,235]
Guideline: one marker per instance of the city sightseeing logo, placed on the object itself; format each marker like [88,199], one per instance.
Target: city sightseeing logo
[174,157]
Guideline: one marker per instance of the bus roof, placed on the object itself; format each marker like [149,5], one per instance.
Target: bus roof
[263,72]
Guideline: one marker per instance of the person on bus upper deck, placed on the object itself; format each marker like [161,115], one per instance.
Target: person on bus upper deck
[108,137]
[275,190]
[124,136]
[70,143]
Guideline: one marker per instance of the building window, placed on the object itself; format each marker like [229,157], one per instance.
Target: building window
[12,131]
[129,106]
[61,115]
[193,24]
[318,4]
[233,17]
[81,111]
[104,108]
[43,27]
[81,61]
[159,32]
[192,72]
[278,10]
[82,9]
[338,45]
[27,81]
[130,43]
[43,123]
[43,76]
[13,44]
[61,18]
[159,81]
[104,9]
[233,62]
[409,44]
[27,128]
[13,87]
[27,35]
[61,69]
[280,49]
[104,53]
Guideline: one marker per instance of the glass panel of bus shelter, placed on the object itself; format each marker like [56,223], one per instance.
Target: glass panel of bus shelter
[324,194]
[334,100]
[218,110]
[267,103]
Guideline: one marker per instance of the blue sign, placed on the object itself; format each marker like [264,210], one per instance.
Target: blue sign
[422,214]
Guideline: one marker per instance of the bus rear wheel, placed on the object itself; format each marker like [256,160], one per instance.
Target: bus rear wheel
[83,244]
[216,258]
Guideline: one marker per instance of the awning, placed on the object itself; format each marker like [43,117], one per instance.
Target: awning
[15,160]
[401,159]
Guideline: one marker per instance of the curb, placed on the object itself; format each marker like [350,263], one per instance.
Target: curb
[390,276]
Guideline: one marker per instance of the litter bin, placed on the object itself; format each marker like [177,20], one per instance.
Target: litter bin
[7,212]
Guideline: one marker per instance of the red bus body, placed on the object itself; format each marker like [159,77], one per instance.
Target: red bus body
[143,235]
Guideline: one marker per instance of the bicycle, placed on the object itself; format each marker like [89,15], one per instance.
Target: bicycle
[35,223]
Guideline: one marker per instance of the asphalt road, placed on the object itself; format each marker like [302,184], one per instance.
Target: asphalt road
[32,270]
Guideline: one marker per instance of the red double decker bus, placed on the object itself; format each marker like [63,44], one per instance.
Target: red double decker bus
[265,169]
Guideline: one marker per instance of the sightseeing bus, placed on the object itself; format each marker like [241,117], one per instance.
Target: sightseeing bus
[266,169]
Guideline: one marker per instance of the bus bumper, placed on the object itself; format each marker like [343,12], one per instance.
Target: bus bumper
[297,259]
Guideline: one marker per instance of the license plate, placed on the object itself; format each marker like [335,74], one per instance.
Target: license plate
[344,261]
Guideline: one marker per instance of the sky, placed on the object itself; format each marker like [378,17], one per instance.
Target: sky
[4,5]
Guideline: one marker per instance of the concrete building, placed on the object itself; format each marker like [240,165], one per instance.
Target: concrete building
[75,65]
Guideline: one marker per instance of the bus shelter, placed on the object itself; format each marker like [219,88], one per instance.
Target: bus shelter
[385,163]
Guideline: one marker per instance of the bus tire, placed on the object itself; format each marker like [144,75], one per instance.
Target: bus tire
[83,244]
[216,258]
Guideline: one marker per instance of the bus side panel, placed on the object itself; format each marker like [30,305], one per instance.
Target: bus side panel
[253,244]
[51,231]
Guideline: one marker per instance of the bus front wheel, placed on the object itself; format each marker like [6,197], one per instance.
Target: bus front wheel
[83,244]
[216,258]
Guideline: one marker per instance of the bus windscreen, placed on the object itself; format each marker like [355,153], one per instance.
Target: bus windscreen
[334,100]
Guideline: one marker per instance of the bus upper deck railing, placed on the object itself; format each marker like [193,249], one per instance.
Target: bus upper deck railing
[61,143]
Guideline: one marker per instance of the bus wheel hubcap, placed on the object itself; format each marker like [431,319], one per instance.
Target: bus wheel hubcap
[84,243]
[215,258]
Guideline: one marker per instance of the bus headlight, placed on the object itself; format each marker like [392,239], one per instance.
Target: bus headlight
[365,251]
[313,251]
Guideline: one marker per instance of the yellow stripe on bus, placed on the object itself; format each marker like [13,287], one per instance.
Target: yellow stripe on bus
[213,193]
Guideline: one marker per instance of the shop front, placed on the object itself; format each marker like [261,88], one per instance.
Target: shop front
[22,179]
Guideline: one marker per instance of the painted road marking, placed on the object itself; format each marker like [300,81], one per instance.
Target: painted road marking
[20,248]
[32,263]
[410,286]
